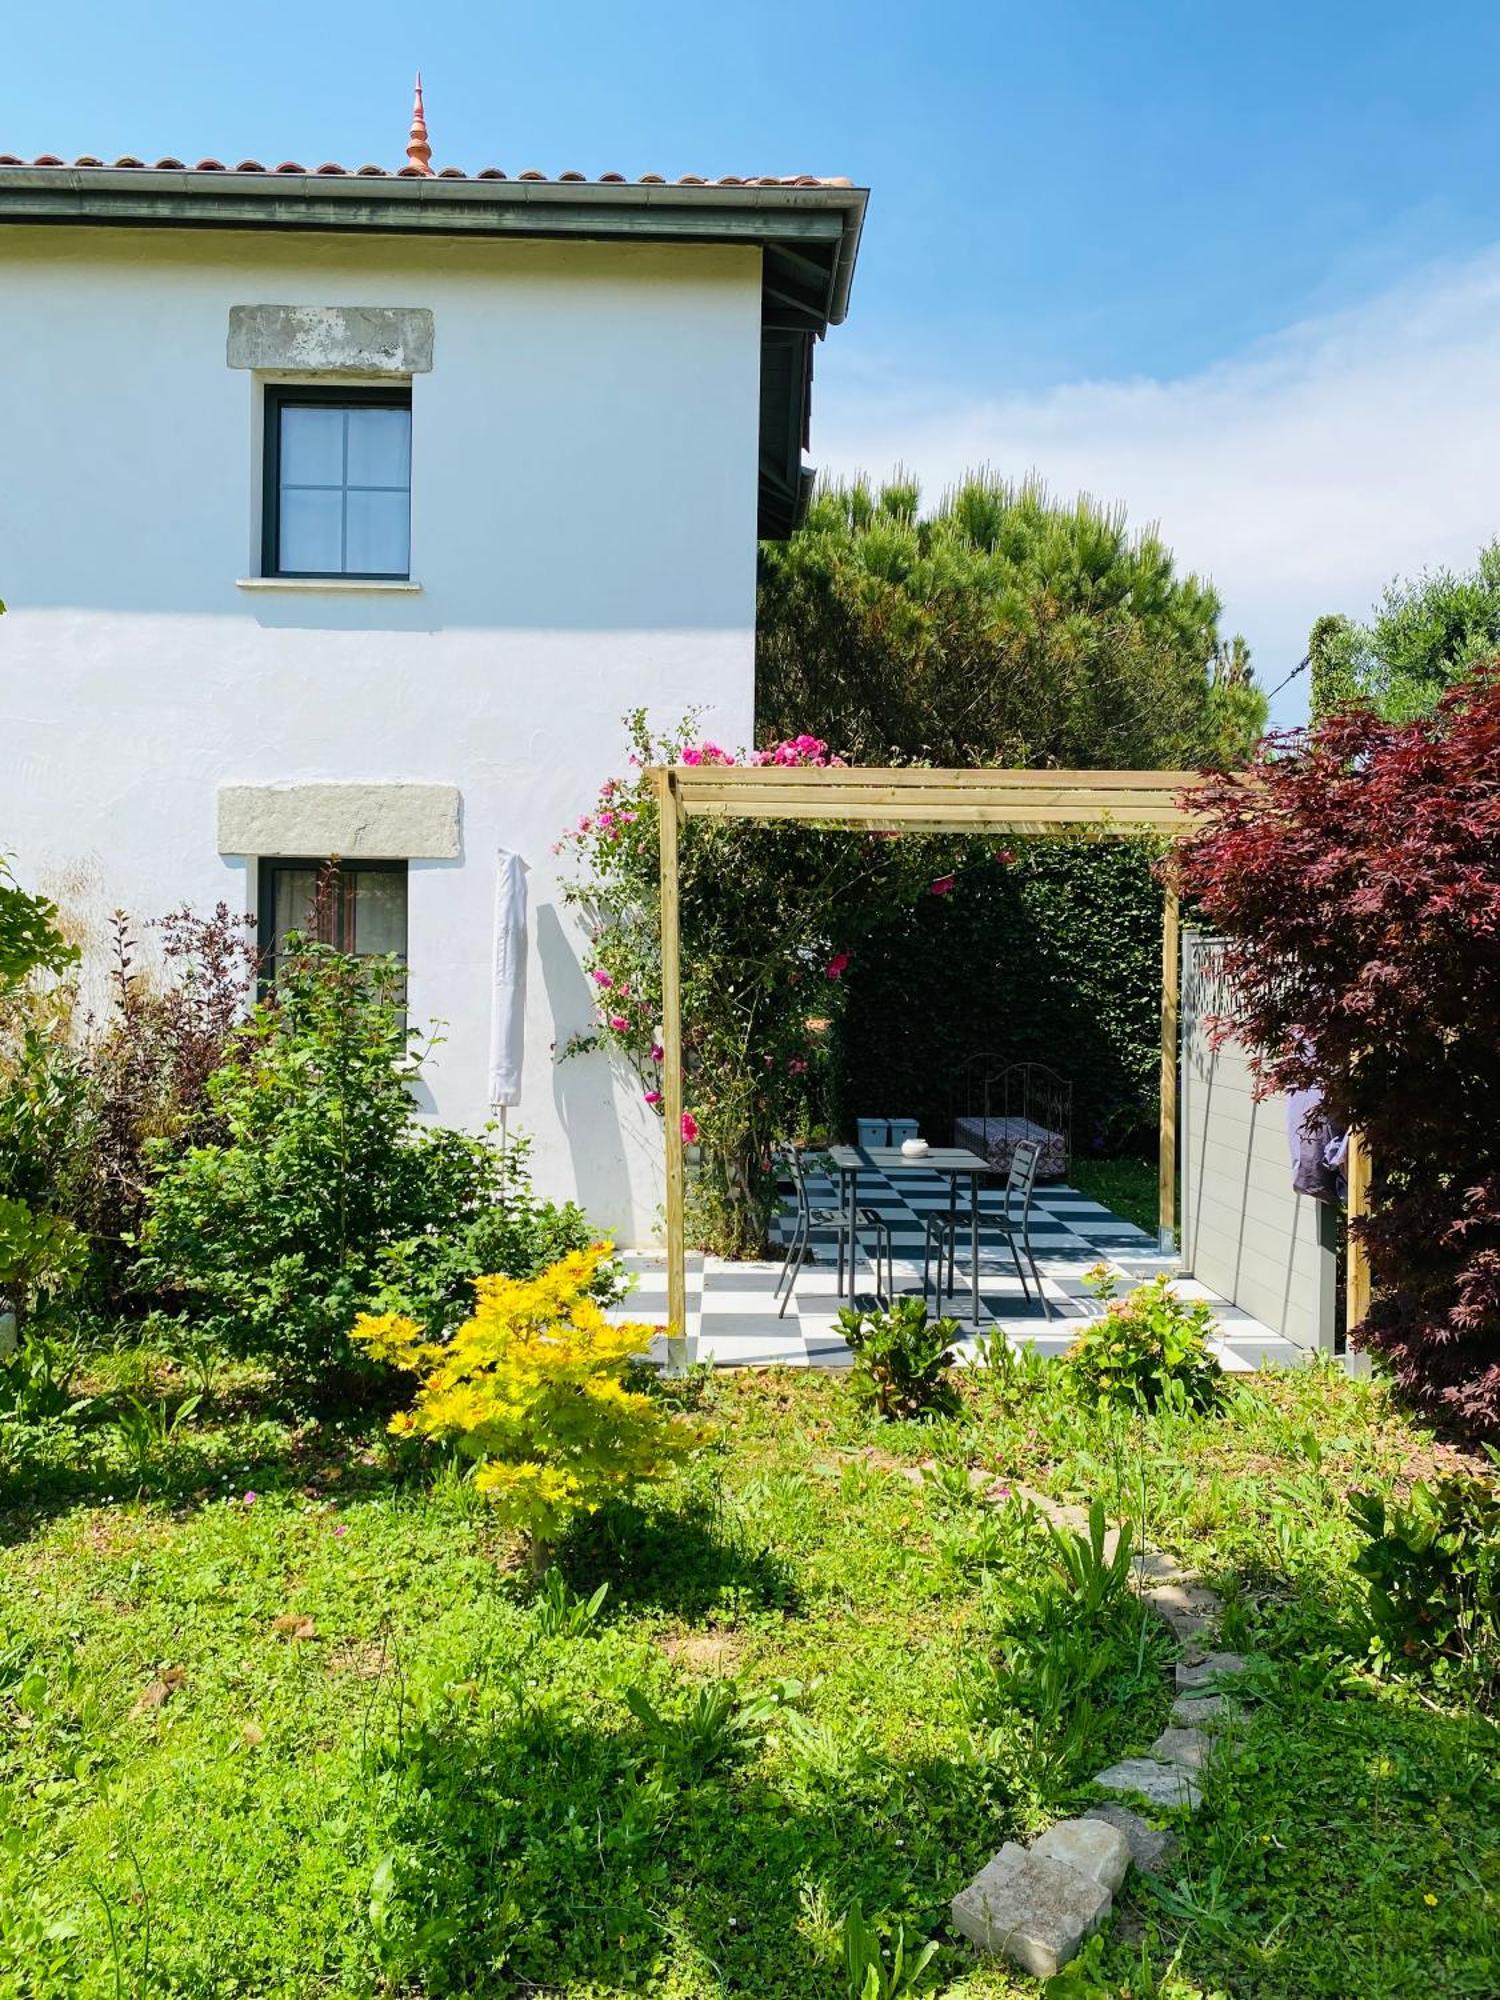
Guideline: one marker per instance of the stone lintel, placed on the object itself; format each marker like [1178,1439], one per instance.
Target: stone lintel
[353,820]
[337,340]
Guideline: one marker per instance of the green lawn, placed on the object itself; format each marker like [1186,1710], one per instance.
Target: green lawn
[330,1740]
[1126,1186]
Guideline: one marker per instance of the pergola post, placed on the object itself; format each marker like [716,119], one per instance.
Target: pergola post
[669,813]
[1171,978]
[1357,1268]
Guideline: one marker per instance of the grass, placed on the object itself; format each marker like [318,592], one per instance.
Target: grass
[331,1740]
[1127,1186]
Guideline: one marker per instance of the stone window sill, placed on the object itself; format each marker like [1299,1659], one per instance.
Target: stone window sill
[304,583]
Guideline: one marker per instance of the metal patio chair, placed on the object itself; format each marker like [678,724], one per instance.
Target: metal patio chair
[1013,1220]
[789,1161]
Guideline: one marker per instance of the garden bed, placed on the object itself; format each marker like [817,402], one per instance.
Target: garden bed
[282,1715]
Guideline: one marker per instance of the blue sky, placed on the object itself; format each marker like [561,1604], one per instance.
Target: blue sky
[1233,267]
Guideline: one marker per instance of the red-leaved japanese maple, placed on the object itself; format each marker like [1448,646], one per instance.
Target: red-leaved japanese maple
[1354,873]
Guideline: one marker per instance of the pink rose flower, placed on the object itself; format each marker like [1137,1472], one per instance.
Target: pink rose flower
[619,1022]
[600,977]
[250,1499]
[653,1097]
[658,1053]
[944,884]
[838,965]
[689,1129]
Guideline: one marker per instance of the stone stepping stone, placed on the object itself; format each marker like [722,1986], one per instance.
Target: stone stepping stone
[1190,1748]
[1188,1609]
[1151,1847]
[1153,1565]
[1030,1909]
[1207,1671]
[1162,1784]
[1206,1711]
[1092,1846]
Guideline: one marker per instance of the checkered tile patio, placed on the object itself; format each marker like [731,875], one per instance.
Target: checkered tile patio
[732,1308]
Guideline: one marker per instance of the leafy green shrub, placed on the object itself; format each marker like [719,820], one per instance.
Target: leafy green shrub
[30,940]
[430,1278]
[1431,1566]
[43,1097]
[901,1359]
[325,1197]
[1147,1349]
[41,1256]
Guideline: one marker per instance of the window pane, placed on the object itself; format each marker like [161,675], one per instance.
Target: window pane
[379,910]
[312,446]
[379,447]
[379,533]
[296,891]
[311,530]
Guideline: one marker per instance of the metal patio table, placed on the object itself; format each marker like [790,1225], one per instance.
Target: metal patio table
[952,1162]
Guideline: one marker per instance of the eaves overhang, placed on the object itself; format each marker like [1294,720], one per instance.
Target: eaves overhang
[808,232]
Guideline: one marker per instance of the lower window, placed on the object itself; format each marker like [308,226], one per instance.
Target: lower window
[356,906]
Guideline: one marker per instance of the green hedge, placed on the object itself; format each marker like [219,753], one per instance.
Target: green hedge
[1054,956]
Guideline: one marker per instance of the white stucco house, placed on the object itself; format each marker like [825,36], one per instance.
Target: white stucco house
[345,512]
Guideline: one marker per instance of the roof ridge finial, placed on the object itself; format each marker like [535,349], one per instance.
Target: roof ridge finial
[418,152]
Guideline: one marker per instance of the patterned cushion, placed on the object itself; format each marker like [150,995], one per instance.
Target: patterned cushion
[996,1139]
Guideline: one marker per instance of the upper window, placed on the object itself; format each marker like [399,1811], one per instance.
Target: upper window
[338,483]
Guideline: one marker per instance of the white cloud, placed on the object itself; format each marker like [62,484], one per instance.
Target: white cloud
[1301,474]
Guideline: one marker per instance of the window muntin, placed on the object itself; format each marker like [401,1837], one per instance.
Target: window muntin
[362,909]
[338,483]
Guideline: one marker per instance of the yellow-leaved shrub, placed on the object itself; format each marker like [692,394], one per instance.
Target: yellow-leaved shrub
[532,1387]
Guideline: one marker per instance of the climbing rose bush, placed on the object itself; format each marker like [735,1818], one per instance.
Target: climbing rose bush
[531,1387]
[1355,879]
[772,915]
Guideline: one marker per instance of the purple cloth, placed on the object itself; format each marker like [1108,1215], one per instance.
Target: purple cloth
[1318,1152]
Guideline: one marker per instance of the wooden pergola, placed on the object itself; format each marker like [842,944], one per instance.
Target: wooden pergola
[1095,803]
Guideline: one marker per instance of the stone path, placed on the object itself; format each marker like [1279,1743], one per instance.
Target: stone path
[1036,1905]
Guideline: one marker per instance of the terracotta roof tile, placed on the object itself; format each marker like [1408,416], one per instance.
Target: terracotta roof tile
[169,165]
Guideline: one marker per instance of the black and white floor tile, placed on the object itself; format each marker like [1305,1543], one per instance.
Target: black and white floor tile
[735,1318]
